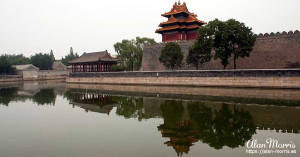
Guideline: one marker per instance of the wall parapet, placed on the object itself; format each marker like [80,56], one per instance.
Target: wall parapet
[278,34]
[260,35]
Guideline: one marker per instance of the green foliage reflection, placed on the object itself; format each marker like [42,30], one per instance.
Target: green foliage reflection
[223,127]
[7,95]
[45,96]
[130,107]
[172,111]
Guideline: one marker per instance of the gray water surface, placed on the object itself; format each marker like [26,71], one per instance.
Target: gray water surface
[52,119]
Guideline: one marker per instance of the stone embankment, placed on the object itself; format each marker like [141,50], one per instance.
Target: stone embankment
[285,78]
[36,75]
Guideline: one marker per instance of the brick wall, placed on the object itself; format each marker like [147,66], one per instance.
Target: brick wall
[10,78]
[215,78]
[271,51]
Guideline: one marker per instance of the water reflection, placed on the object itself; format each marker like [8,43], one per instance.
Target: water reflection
[177,127]
[185,124]
[217,124]
[7,95]
[130,107]
[43,97]
[222,127]
[100,103]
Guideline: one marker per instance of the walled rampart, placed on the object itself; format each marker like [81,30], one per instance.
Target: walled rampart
[216,78]
[271,51]
[10,78]
[52,74]
[35,75]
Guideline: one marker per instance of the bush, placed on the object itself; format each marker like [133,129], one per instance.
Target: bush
[171,55]
[118,68]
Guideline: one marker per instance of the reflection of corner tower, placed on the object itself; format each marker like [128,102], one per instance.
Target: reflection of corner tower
[181,137]
[181,24]
[182,133]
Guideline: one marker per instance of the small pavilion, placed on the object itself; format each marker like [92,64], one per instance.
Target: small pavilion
[93,62]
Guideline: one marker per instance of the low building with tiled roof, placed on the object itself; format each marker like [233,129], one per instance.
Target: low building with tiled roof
[93,62]
[26,67]
[27,71]
[58,66]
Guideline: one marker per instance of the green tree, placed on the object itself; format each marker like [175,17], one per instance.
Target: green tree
[200,52]
[42,61]
[241,39]
[5,65]
[52,55]
[71,56]
[226,38]
[130,52]
[171,55]
[19,59]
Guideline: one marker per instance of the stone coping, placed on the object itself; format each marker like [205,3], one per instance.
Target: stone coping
[196,73]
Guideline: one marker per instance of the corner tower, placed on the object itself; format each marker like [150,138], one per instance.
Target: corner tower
[181,24]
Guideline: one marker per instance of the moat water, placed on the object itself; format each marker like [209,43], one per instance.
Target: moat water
[54,119]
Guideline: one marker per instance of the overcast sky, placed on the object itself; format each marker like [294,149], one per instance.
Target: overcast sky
[32,26]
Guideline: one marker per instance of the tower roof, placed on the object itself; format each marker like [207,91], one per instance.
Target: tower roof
[189,19]
[177,9]
[179,18]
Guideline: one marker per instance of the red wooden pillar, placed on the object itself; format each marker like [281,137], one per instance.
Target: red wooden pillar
[100,67]
[92,67]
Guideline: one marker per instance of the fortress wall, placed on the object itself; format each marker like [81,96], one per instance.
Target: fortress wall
[271,51]
[286,78]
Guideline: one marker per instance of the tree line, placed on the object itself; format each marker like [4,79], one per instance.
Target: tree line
[43,61]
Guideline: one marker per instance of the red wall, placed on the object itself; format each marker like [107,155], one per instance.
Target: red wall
[192,36]
[179,36]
